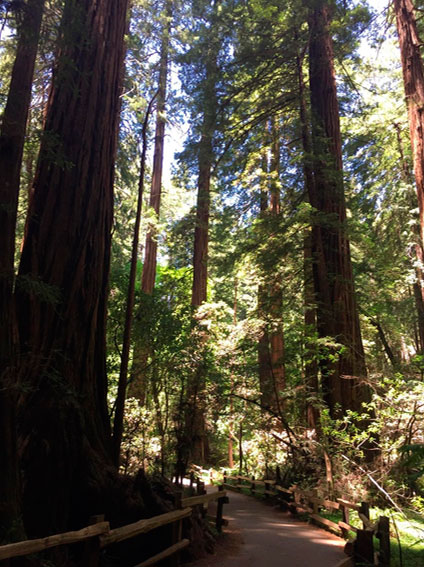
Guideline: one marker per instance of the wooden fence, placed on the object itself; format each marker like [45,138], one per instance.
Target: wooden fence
[361,549]
[98,535]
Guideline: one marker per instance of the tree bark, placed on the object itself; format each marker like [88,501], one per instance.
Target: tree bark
[231,416]
[311,354]
[343,382]
[264,361]
[65,430]
[276,332]
[413,80]
[270,293]
[206,156]
[408,177]
[12,137]
[196,407]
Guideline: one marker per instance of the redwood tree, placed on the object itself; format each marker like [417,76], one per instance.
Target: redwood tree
[195,408]
[12,137]
[311,364]
[413,80]
[343,382]
[270,293]
[65,431]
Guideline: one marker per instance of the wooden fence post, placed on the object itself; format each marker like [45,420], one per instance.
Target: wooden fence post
[201,490]
[219,510]
[383,534]
[91,552]
[176,532]
[365,510]
[363,548]
[225,477]
[345,519]
[253,485]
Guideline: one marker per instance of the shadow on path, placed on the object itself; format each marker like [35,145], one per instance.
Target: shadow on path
[261,536]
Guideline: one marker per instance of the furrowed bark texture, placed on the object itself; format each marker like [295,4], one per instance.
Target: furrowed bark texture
[270,294]
[12,137]
[413,80]
[337,313]
[206,156]
[65,431]
[195,406]
[276,332]
[311,364]
[264,361]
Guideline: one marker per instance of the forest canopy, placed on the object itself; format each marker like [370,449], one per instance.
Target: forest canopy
[211,251]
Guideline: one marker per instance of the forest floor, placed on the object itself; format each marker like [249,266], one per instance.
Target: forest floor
[258,535]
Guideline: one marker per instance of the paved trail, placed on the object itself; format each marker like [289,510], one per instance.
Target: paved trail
[271,538]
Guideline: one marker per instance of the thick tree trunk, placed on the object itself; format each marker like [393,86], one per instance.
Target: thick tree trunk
[337,314]
[201,232]
[311,354]
[276,332]
[408,177]
[270,296]
[12,136]
[65,431]
[413,79]
[264,360]
[141,350]
[196,407]
[231,436]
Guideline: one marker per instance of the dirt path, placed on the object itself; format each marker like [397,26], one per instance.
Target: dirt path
[260,536]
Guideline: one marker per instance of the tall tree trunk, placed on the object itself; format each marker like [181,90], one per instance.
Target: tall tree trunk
[276,332]
[150,256]
[141,350]
[311,354]
[231,436]
[264,360]
[408,177]
[413,80]
[12,136]
[195,418]
[206,156]
[118,422]
[311,364]
[65,430]
[337,314]
[270,293]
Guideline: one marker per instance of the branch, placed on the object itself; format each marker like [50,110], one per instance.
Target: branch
[288,429]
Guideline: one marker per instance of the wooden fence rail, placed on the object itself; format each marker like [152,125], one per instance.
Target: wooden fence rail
[101,534]
[36,545]
[297,501]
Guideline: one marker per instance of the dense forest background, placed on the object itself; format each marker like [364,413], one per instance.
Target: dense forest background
[211,251]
